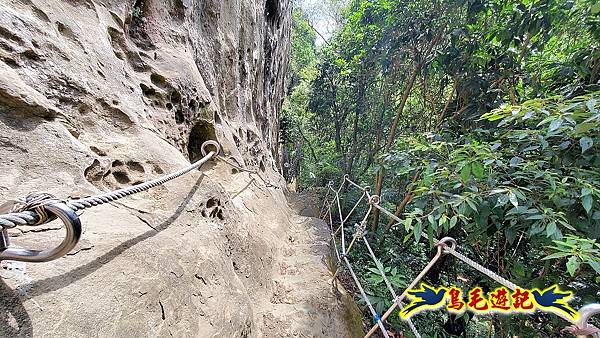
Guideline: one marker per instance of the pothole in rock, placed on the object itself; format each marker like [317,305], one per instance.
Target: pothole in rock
[117,174]
[272,11]
[137,28]
[213,209]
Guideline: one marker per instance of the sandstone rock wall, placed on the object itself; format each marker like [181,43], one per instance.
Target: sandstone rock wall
[184,69]
[100,94]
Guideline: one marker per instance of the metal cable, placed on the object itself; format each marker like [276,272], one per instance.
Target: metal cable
[491,274]
[447,249]
[355,206]
[377,264]
[337,198]
[337,252]
[496,277]
[250,171]
[92,201]
[347,178]
[442,246]
[322,210]
[360,233]
[29,217]
[499,279]
[221,158]
[360,229]
[364,295]
[398,300]
[390,287]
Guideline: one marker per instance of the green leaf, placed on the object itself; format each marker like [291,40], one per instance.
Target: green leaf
[513,199]
[595,265]
[587,202]
[417,231]
[453,221]
[518,268]
[443,222]
[471,204]
[551,228]
[477,170]
[573,264]
[586,191]
[555,124]
[584,127]
[557,255]
[430,235]
[537,228]
[465,172]
[591,105]
[374,270]
[585,143]
[515,161]
[595,9]
[511,235]
[431,220]
[408,224]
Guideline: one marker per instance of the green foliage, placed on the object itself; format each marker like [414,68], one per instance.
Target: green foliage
[295,116]
[577,250]
[303,49]
[526,182]
[497,142]
[529,178]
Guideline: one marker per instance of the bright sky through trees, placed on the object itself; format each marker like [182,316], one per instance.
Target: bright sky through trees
[323,15]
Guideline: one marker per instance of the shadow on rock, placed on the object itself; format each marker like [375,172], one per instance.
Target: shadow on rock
[60,281]
[14,319]
[19,121]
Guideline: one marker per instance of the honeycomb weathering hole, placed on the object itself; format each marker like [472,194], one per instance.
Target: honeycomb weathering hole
[271,10]
[201,132]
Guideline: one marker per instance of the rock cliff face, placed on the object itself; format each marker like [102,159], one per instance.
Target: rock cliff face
[101,94]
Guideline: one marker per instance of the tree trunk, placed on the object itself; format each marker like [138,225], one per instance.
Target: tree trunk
[310,147]
[407,198]
[445,110]
[383,90]
[392,132]
[359,111]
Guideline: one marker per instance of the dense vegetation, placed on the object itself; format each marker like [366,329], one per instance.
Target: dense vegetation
[477,119]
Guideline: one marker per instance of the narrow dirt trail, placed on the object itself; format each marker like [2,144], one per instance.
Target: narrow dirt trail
[302,284]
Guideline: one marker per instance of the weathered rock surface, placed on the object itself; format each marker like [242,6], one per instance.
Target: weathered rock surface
[100,94]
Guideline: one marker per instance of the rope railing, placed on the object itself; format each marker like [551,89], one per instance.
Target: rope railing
[359,233]
[444,246]
[249,171]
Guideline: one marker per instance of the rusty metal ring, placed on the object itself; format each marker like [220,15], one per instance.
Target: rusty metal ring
[444,243]
[374,199]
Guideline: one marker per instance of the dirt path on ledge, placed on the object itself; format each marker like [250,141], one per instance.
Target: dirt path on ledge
[302,285]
